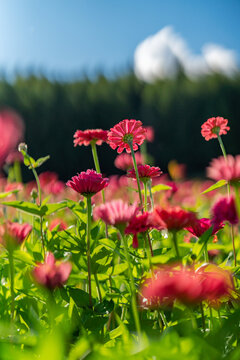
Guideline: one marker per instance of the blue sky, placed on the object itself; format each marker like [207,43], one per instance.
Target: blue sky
[67,36]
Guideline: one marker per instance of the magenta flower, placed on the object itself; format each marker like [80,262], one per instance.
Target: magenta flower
[227,169]
[225,210]
[145,172]
[213,127]
[88,183]
[199,227]
[86,137]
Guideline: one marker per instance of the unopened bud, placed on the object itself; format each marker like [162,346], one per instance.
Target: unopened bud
[22,147]
[34,194]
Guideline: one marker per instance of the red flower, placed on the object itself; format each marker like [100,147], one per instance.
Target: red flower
[201,225]
[145,172]
[149,133]
[86,137]
[57,223]
[15,233]
[125,132]
[139,224]
[225,210]
[221,168]
[213,127]
[125,162]
[175,218]
[116,212]
[51,274]
[88,183]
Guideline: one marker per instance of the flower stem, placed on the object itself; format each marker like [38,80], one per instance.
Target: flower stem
[98,287]
[174,240]
[145,195]
[150,192]
[96,163]
[89,211]
[233,245]
[225,157]
[132,286]
[11,273]
[38,186]
[137,174]
[203,317]
[206,258]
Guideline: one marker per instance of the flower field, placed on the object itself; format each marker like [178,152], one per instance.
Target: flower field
[139,266]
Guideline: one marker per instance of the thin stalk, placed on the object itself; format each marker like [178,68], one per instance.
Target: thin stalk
[233,245]
[17,171]
[96,163]
[11,273]
[145,195]
[150,192]
[137,174]
[89,211]
[132,286]
[38,186]
[163,317]
[175,244]
[148,252]
[203,317]
[149,243]
[206,258]
[98,287]
[225,157]
[42,237]
[210,319]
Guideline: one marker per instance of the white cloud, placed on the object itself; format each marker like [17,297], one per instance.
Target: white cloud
[160,55]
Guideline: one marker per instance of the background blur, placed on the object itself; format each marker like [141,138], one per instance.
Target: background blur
[78,64]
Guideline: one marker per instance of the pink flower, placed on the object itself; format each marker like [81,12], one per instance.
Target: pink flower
[175,218]
[225,210]
[88,183]
[125,132]
[213,127]
[50,183]
[52,274]
[145,172]
[15,233]
[86,137]
[57,223]
[116,213]
[201,225]
[149,133]
[221,169]
[125,162]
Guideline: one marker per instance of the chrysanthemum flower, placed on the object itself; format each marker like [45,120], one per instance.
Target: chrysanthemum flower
[52,274]
[139,224]
[125,132]
[116,213]
[145,172]
[213,127]
[88,183]
[227,169]
[97,136]
[201,225]
[225,210]
[13,233]
[175,218]
[125,162]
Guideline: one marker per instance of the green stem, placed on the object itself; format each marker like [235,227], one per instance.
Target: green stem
[137,174]
[175,244]
[150,192]
[11,273]
[149,253]
[42,237]
[98,287]
[89,211]
[225,157]
[206,258]
[203,317]
[145,195]
[132,286]
[38,186]
[17,171]
[163,317]
[233,245]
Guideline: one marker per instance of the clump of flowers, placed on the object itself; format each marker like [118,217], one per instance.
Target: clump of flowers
[86,137]
[125,133]
[52,274]
[214,127]
[125,162]
[225,168]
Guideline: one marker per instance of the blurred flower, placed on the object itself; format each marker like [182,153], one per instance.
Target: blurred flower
[13,233]
[225,210]
[98,136]
[174,218]
[88,183]
[139,224]
[125,132]
[145,172]
[52,274]
[213,127]
[11,133]
[14,156]
[176,171]
[125,162]
[116,213]
[201,225]
[221,168]
[57,223]
[149,133]
[50,184]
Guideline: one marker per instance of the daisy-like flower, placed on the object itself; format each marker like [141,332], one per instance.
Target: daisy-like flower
[201,225]
[139,224]
[175,218]
[52,274]
[126,132]
[225,210]
[221,168]
[86,137]
[88,183]
[145,172]
[125,162]
[116,213]
[213,127]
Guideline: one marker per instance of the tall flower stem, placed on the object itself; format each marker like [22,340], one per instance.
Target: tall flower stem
[150,192]
[175,244]
[11,273]
[96,163]
[145,195]
[137,174]
[132,285]
[89,211]
[233,245]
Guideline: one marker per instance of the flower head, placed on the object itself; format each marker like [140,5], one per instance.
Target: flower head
[213,127]
[201,225]
[125,162]
[225,210]
[57,223]
[13,233]
[116,213]
[126,132]
[52,274]
[175,218]
[145,172]
[227,169]
[88,183]
[149,133]
[86,137]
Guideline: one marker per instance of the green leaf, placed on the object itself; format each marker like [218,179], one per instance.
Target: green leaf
[80,297]
[215,186]
[8,193]
[41,160]
[34,209]
[105,307]
[52,208]
[23,256]
[160,187]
